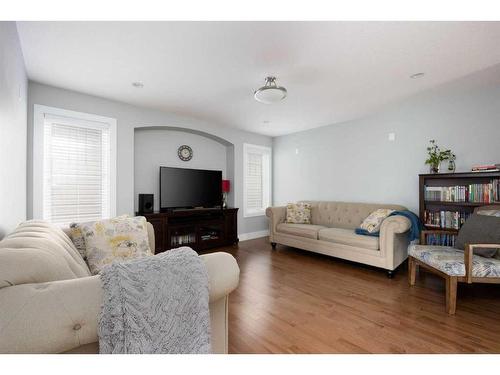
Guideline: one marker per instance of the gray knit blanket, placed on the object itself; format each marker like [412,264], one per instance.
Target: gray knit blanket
[156,304]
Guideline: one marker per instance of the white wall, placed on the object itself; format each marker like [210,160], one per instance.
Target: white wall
[158,147]
[129,118]
[13,99]
[354,161]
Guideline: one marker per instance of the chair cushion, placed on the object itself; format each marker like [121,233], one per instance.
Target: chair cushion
[114,240]
[479,229]
[38,252]
[302,230]
[298,213]
[348,237]
[451,261]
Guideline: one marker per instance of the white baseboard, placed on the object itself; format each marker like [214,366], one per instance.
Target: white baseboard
[253,235]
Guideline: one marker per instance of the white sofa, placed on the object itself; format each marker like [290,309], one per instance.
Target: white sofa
[331,232]
[49,301]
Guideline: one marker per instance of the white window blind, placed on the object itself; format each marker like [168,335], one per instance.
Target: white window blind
[257,179]
[76,170]
[254,181]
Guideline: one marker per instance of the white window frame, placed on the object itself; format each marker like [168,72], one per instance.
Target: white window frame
[267,179]
[39,114]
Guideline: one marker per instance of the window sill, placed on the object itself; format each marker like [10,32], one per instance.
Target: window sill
[254,213]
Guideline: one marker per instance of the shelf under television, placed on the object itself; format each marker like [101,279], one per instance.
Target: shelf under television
[467,204]
[191,245]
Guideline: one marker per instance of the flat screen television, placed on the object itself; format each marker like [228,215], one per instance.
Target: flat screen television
[190,188]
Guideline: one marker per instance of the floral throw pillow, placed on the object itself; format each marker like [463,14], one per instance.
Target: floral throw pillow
[298,213]
[75,233]
[114,240]
[373,222]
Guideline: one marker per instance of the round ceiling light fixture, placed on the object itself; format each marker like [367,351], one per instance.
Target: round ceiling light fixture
[270,92]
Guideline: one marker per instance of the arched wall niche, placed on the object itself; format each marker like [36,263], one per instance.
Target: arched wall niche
[156,146]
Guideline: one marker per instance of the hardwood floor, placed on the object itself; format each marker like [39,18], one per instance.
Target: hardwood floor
[293,301]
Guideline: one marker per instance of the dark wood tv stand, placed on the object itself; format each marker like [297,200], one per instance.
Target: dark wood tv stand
[200,229]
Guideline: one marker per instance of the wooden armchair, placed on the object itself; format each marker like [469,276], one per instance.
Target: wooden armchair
[465,268]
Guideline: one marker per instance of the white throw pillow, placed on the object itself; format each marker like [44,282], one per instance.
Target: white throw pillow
[113,240]
[373,222]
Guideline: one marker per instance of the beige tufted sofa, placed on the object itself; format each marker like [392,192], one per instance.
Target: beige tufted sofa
[331,232]
[49,301]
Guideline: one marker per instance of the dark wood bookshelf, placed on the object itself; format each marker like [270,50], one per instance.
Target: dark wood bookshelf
[456,175]
[448,180]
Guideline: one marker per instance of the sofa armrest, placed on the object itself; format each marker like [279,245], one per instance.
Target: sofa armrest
[395,224]
[276,216]
[61,315]
[223,274]
[49,317]
[394,240]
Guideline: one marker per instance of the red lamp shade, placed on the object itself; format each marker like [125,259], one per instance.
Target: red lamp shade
[226,186]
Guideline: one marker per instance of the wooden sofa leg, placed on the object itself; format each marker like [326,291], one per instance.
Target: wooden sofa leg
[451,295]
[412,271]
[273,245]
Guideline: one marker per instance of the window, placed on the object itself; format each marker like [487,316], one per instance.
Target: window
[74,166]
[256,179]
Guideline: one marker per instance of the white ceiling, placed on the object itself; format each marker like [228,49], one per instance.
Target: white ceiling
[333,71]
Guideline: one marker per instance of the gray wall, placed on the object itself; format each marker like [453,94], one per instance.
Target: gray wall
[355,161]
[128,119]
[158,147]
[13,99]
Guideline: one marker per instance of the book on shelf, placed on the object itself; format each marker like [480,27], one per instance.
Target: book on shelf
[486,168]
[472,193]
[183,239]
[440,239]
[445,219]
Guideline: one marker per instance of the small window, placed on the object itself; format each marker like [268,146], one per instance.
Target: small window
[257,179]
[75,180]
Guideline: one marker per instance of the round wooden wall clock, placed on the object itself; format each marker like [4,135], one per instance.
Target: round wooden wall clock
[185,153]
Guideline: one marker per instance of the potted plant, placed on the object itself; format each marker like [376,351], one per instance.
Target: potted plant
[436,156]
